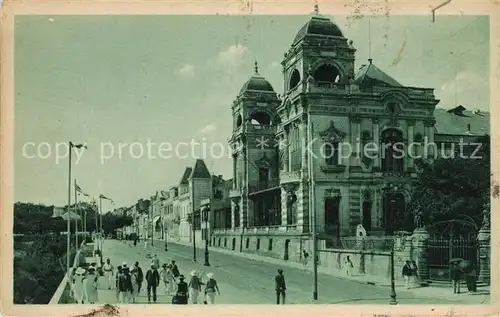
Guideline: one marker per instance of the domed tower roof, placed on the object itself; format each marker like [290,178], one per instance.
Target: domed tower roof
[257,83]
[318,25]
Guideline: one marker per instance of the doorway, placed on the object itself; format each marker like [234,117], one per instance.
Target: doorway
[332,216]
[394,211]
[367,215]
[287,245]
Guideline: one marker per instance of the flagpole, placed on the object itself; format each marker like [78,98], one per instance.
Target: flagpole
[68,222]
[76,219]
[100,217]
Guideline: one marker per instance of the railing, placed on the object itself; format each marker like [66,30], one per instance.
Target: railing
[329,85]
[289,177]
[235,192]
[260,128]
[64,289]
[261,186]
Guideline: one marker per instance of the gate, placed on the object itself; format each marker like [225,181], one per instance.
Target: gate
[441,251]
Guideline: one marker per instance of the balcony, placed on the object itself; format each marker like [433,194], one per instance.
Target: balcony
[289,177]
[261,128]
[234,193]
[265,185]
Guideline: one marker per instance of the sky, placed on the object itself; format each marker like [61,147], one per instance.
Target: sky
[110,81]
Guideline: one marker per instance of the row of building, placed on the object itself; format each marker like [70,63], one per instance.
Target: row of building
[278,192]
[169,213]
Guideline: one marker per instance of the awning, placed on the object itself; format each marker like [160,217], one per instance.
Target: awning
[155,219]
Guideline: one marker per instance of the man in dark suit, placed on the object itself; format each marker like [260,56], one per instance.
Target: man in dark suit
[153,280]
[280,287]
[455,277]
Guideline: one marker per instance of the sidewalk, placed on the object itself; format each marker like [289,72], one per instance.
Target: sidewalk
[481,297]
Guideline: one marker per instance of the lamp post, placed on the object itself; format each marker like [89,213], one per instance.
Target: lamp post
[151,219]
[393,286]
[204,211]
[68,223]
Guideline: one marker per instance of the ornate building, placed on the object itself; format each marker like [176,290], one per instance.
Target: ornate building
[290,153]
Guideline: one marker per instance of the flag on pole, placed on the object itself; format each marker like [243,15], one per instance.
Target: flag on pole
[104,197]
[78,146]
[79,190]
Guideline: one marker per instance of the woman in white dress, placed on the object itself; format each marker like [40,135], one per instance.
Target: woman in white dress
[90,286]
[135,284]
[171,284]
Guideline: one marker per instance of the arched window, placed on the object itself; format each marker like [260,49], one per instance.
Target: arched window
[260,118]
[294,79]
[327,73]
[239,121]
[393,150]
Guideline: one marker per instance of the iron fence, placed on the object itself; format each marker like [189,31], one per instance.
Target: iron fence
[441,251]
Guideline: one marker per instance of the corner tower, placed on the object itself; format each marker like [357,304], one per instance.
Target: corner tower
[255,154]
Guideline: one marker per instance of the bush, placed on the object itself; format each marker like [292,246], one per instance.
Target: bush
[39,270]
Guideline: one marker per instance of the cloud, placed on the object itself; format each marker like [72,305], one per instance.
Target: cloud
[186,71]
[209,129]
[233,56]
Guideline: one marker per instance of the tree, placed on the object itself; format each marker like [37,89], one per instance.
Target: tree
[452,190]
[111,222]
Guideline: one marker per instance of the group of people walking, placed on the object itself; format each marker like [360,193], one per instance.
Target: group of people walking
[128,282]
[410,274]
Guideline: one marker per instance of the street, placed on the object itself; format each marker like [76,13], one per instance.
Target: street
[244,281]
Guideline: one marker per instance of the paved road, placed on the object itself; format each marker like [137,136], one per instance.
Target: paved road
[244,281]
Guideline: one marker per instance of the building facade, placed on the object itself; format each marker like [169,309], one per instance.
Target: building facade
[332,151]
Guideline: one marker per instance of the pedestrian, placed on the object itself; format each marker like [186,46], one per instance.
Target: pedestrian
[175,269]
[79,275]
[140,277]
[305,257]
[181,295]
[194,286]
[171,285]
[119,272]
[125,285]
[210,288]
[108,272]
[415,281]
[406,272]
[152,280]
[90,286]
[135,283]
[280,287]
[156,262]
[163,276]
[145,244]
[470,279]
[348,266]
[455,277]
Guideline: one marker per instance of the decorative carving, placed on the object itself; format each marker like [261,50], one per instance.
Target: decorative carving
[332,134]
[393,107]
[375,120]
[410,122]
[263,162]
[418,218]
[356,119]
[486,216]
[333,193]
